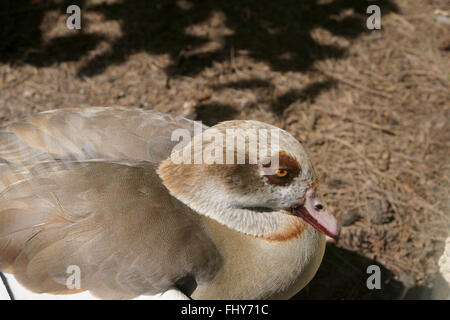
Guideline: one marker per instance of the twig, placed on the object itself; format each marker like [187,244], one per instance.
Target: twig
[355,85]
[372,125]
[6,284]
[369,163]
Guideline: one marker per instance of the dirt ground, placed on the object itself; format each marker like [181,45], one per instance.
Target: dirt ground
[371,107]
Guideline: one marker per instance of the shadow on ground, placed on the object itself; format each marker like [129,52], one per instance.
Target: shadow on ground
[275,32]
[278,33]
[342,276]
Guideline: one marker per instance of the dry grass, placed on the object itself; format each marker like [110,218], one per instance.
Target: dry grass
[374,116]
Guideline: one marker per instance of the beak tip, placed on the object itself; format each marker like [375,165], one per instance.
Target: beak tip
[314,212]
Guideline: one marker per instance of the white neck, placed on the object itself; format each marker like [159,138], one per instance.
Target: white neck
[208,199]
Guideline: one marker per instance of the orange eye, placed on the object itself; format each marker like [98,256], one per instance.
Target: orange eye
[281,172]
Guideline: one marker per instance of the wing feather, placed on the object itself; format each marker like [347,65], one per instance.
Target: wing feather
[116,222]
[78,187]
[92,133]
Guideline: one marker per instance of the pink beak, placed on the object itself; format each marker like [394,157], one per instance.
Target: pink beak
[314,212]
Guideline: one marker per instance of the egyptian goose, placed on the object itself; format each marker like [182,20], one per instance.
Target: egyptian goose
[101,190]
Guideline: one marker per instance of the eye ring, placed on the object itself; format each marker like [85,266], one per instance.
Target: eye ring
[281,173]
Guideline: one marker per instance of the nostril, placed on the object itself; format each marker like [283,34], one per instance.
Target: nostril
[318,207]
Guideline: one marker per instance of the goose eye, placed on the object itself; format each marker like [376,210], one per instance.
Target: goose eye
[281,172]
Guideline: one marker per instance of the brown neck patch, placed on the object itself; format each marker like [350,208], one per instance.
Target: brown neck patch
[286,162]
[294,228]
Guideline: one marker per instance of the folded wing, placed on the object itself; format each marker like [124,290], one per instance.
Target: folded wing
[93,133]
[78,189]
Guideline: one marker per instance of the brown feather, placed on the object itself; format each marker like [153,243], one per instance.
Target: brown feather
[116,221]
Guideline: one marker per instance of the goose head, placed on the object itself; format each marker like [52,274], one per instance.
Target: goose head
[251,177]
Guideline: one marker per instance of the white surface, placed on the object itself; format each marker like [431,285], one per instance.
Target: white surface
[444,262]
[20,293]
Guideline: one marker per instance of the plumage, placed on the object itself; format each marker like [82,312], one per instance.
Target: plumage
[97,188]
